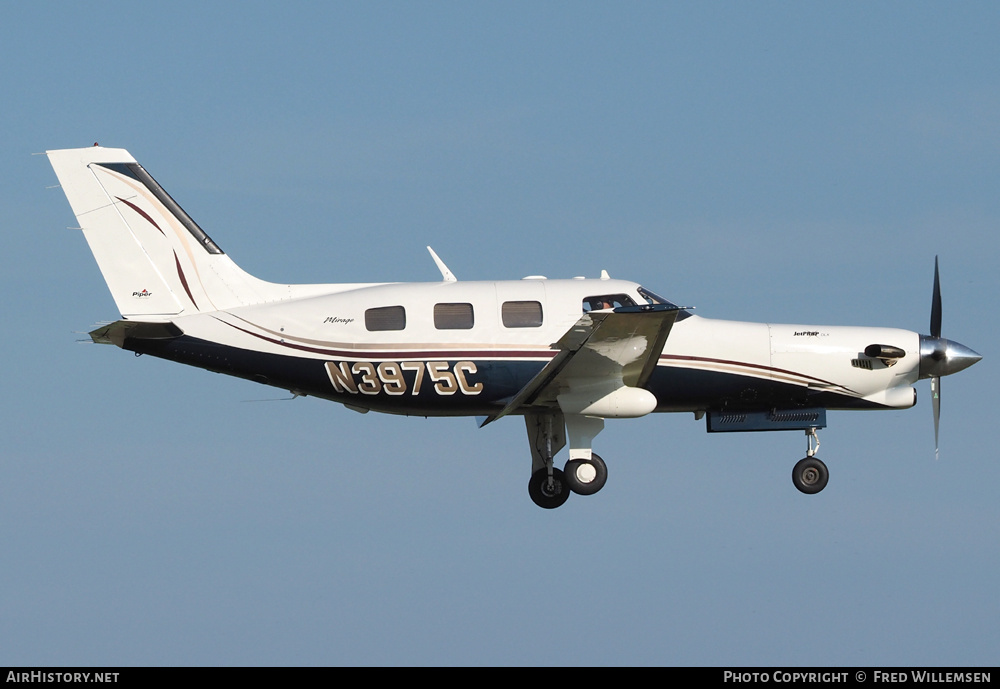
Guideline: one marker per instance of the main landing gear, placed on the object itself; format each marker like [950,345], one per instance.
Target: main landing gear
[580,476]
[810,474]
[585,472]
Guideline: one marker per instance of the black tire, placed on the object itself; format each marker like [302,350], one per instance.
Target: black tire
[540,493]
[582,481]
[810,475]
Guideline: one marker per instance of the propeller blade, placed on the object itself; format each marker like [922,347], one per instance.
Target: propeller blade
[940,357]
[936,380]
[936,403]
[936,303]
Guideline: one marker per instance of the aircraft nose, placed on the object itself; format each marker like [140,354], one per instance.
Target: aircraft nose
[941,357]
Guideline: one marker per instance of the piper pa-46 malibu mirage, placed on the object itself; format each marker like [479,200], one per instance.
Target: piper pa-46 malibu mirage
[564,354]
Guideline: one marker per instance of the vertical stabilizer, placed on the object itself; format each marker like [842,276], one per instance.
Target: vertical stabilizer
[157,261]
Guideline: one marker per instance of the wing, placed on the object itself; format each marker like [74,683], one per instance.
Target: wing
[602,353]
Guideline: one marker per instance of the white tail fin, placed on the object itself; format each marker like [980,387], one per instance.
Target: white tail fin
[156,260]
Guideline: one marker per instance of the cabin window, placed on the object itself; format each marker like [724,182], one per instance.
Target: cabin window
[521,314]
[385,318]
[607,301]
[453,316]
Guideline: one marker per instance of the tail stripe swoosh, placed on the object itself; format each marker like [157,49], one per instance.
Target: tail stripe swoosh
[142,213]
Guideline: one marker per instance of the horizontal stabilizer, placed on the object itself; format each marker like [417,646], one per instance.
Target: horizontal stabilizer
[116,333]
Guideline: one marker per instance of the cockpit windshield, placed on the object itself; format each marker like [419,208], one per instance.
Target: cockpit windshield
[654,298]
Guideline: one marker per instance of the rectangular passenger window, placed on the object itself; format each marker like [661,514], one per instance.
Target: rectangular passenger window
[453,316]
[521,314]
[386,318]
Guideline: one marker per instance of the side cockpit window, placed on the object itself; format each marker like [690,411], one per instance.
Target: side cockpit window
[607,301]
[385,318]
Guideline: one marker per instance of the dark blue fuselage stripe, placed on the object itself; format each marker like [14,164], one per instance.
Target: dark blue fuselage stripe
[676,388]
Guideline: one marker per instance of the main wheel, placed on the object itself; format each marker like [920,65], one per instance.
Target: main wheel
[586,477]
[810,475]
[545,496]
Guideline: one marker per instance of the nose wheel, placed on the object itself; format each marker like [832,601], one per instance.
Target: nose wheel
[810,474]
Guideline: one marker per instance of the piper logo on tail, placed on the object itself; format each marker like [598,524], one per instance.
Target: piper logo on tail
[143,294]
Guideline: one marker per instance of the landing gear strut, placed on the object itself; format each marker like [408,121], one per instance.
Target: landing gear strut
[810,474]
[546,436]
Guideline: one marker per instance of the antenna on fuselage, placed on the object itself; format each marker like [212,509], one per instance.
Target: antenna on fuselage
[445,273]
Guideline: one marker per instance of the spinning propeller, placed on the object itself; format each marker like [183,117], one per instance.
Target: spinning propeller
[941,357]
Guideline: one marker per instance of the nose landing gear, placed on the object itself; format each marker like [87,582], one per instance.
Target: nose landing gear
[810,474]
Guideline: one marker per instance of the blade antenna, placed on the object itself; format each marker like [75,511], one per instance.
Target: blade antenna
[445,273]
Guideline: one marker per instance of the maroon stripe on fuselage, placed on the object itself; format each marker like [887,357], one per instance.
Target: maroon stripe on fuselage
[761,367]
[398,354]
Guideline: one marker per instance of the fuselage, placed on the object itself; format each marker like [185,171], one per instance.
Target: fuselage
[465,348]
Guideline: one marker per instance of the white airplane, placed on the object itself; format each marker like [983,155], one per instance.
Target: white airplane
[564,354]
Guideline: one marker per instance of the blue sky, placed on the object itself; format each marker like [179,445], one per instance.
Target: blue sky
[781,162]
